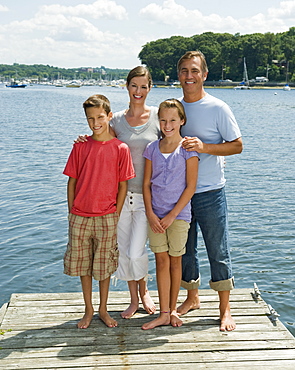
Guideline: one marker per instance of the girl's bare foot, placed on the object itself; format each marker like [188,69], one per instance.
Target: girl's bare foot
[86,319]
[107,319]
[187,305]
[148,303]
[227,323]
[163,319]
[130,311]
[175,320]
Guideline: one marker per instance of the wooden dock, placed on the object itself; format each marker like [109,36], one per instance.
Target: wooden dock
[38,331]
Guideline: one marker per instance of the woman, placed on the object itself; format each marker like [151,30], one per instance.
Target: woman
[136,126]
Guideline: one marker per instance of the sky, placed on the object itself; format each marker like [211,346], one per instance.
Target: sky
[111,33]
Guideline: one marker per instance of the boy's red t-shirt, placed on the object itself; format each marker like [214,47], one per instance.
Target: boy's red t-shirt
[98,167]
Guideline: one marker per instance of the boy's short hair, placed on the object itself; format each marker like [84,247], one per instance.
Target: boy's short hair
[173,103]
[190,55]
[139,71]
[98,101]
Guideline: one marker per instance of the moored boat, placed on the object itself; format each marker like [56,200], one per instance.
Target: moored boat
[16,84]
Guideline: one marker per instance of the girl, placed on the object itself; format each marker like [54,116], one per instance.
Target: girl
[169,182]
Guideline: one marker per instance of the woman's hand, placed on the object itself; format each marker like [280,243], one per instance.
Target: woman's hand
[81,139]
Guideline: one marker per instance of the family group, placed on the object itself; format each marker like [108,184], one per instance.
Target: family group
[156,174]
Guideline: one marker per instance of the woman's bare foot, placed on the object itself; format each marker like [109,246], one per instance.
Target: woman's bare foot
[86,319]
[148,303]
[130,311]
[188,304]
[175,320]
[163,319]
[107,319]
[227,323]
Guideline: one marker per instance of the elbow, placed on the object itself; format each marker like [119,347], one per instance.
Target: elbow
[239,146]
[240,149]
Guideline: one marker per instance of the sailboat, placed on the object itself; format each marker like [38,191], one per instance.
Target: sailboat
[244,85]
[287,87]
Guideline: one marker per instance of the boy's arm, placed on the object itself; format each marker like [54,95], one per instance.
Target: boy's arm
[153,219]
[122,191]
[192,165]
[71,192]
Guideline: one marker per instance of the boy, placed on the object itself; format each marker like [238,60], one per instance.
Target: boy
[98,171]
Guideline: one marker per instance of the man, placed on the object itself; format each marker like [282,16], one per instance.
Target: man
[212,131]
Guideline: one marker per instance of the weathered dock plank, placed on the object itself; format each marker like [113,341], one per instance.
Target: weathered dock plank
[38,331]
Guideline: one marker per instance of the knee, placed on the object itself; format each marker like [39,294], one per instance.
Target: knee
[175,263]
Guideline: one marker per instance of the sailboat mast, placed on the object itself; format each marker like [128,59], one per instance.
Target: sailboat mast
[246,79]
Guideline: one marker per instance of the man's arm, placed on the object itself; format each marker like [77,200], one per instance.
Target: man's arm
[223,149]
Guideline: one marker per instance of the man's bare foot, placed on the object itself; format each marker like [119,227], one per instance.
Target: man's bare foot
[163,319]
[188,304]
[148,303]
[227,323]
[175,320]
[130,311]
[107,319]
[86,319]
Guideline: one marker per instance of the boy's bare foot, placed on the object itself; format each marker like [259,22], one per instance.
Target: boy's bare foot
[189,304]
[175,320]
[107,319]
[227,323]
[86,319]
[148,303]
[130,311]
[163,319]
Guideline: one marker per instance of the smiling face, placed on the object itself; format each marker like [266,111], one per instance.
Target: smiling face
[170,122]
[138,89]
[191,76]
[98,121]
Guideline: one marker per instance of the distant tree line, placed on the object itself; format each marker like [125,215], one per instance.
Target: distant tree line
[270,55]
[42,72]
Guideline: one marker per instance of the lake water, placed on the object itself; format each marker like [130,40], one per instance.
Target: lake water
[38,126]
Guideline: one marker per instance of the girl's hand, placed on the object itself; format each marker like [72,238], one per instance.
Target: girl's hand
[155,224]
[167,221]
[81,139]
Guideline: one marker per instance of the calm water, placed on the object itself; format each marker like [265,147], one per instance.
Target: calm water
[38,125]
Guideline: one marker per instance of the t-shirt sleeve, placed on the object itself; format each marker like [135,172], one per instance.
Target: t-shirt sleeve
[147,153]
[126,169]
[227,124]
[188,155]
[71,168]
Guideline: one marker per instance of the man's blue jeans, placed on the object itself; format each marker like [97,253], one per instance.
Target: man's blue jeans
[209,212]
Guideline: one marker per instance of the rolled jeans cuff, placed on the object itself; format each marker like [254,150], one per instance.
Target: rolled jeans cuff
[222,285]
[193,284]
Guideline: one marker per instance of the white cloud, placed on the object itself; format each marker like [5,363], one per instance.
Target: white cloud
[69,34]
[98,9]
[3,8]
[193,21]
[103,32]
[285,11]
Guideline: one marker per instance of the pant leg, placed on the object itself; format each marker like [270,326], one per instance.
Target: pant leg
[213,221]
[132,237]
[209,211]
